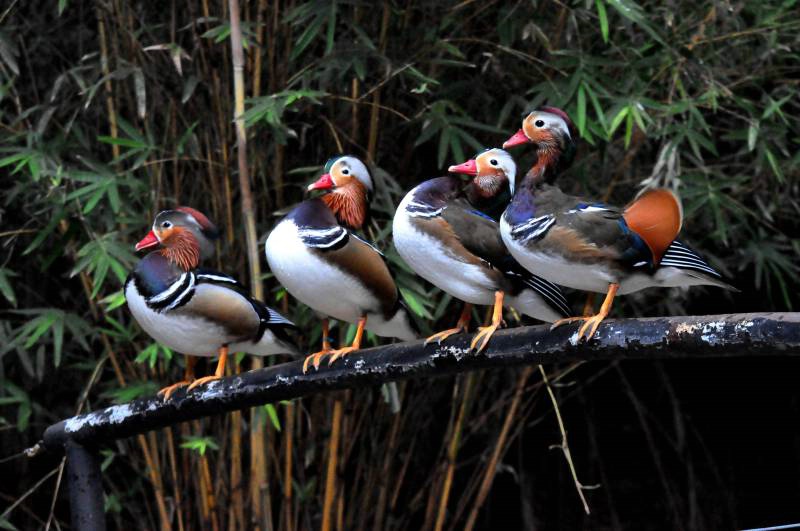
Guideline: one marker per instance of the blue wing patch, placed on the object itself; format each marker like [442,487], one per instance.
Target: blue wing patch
[481,214]
[638,254]
[588,207]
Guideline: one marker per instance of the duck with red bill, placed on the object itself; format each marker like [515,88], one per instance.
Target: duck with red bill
[194,310]
[446,230]
[590,245]
[315,252]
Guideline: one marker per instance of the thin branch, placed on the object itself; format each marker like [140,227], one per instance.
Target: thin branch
[564,446]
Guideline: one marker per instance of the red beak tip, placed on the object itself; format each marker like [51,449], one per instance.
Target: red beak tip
[325,182]
[517,139]
[467,168]
[148,241]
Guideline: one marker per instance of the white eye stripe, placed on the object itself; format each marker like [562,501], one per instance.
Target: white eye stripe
[503,161]
[551,121]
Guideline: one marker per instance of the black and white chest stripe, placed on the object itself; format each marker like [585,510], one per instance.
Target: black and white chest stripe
[181,291]
[416,209]
[176,295]
[533,229]
[328,238]
[332,238]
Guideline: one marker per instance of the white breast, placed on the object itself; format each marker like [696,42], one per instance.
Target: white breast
[314,282]
[427,257]
[181,333]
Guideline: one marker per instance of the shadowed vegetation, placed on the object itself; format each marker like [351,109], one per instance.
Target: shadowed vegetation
[112,110]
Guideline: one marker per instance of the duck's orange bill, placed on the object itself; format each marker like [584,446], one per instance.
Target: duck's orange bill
[468,168]
[148,241]
[325,182]
[518,138]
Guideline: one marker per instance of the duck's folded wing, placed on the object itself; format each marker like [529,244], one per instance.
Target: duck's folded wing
[585,232]
[477,232]
[233,299]
[360,259]
[480,235]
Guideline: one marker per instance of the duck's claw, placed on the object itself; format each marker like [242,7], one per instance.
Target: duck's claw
[315,358]
[438,337]
[340,353]
[168,390]
[587,329]
[591,325]
[566,320]
[202,381]
[483,336]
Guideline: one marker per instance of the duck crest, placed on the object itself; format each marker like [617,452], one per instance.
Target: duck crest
[349,204]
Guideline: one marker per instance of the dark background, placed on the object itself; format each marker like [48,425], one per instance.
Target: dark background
[99,130]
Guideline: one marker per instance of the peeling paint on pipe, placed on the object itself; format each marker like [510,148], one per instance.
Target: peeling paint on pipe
[769,334]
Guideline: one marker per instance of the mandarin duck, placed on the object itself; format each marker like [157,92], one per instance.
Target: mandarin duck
[193,310]
[316,255]
[447,231]
[589,245]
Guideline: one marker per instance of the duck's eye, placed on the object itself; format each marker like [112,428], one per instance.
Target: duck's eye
[345,172]
[493,162]
[166,225]
[539,123]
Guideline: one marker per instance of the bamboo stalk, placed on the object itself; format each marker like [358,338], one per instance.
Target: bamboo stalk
[452,451]
[372,144]
[258,461]
[237,488]
[330,477]
[262,5]
[112,115]
[499,449]
[173,467]
[211,500]
[383,490]
[288,449]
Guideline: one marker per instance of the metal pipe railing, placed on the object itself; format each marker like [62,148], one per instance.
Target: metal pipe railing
[755,334]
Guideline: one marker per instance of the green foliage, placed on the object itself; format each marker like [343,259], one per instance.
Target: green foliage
[695,96]
[199,444]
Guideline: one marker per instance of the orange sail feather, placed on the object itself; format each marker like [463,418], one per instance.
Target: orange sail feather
[656,216]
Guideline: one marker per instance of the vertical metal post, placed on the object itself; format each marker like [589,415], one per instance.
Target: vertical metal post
[85,488]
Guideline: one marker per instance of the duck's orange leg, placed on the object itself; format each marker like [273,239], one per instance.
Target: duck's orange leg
[485,332]
[342,352]
[218,374]
[591,323]
[461,326]
[188,378]
[326,347]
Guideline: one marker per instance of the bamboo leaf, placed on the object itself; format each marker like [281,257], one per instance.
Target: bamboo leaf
[581,113]
[272,413]
[603,18]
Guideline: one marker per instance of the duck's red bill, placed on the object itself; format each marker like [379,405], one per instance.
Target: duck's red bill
[148,241]
[325,182]
[467,168]
[516,140]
